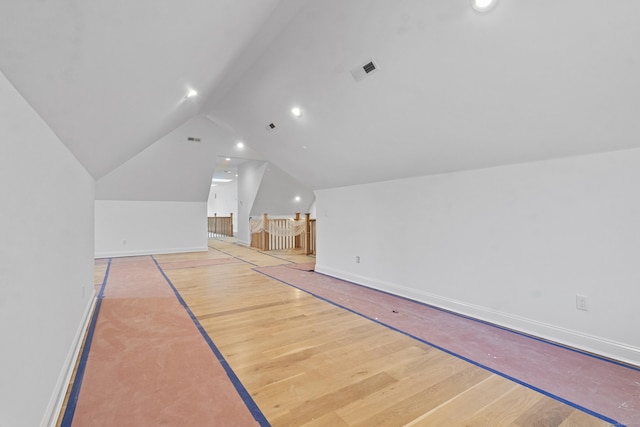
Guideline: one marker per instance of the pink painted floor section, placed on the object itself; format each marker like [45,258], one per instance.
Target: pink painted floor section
[606,388]
[149,365]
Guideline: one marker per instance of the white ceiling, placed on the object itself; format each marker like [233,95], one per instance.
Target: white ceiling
[455,89]
[109,77]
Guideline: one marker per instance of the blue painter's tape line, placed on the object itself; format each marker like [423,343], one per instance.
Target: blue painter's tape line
[235,257]
[249,262]
[532,387]
[70,410]
[484,322]
[242,391]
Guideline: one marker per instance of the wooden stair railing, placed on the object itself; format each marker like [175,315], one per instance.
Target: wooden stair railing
[220,225]
[286,238]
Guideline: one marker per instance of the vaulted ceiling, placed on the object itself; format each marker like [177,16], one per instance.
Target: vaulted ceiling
[110,77]
[454,89]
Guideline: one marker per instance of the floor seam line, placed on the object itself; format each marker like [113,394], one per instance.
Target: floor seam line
[459,356]
[242,391]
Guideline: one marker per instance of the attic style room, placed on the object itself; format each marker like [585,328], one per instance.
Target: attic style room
[472,168]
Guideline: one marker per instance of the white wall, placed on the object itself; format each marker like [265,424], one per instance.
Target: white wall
[157,200]
[250,176]
[46,261]
[223,200]
[512,245]
[125,228]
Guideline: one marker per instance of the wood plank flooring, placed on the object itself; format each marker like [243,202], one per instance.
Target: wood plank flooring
[307,362]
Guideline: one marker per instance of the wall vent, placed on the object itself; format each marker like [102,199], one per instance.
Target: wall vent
[191,138]
[364,70]
[369,67]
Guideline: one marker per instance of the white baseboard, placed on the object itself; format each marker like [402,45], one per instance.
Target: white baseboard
[141,252]
[570,338]
[50,417]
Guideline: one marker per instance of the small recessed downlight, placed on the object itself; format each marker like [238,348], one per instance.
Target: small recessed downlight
[191,93]
[296,111]
[483,5]
[240,144]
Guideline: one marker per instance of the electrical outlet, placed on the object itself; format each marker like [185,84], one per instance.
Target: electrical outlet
[357,259]
[582,303]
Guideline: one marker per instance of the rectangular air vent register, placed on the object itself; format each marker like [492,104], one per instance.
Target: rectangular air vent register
[364,70]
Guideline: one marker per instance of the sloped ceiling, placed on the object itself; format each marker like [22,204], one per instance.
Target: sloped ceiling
[455,89]
[175,168]
[110,77]
[279,194]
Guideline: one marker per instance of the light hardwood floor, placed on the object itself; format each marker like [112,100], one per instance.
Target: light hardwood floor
[307,362]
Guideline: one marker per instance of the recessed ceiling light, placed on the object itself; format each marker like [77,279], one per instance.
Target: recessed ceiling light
[221,180]
[483,5]
[240,144]
[191,93]
[296,111]
[228,159]
[297,198]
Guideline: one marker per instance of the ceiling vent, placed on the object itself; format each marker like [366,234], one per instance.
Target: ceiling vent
[270,127]
[364,70]
[191,138]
